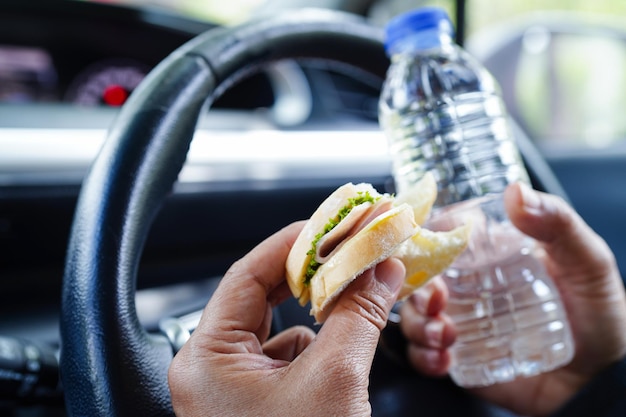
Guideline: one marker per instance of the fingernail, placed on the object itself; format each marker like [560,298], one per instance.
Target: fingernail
[434,332]
[530,197]
[427,299]
[432,359]
[420,299]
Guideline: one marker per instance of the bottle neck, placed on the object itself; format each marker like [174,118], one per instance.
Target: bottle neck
[422,41]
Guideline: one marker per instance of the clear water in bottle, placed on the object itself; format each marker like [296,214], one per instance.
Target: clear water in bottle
[442,113]
[508,314]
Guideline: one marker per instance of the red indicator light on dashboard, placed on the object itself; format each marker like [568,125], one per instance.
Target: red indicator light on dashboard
[114,95]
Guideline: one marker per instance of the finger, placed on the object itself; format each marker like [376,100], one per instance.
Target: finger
[351,332]
[531,211]
[279,294]
[241,300]
[287,345]
[431,362]
[427,331]
[430,299]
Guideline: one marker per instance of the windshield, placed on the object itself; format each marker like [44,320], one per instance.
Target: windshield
[561,63]
[235,11]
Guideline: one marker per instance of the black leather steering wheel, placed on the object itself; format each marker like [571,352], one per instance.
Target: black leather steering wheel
[110,366]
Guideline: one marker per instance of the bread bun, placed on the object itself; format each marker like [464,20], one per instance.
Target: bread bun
[352,230]
[356,228]
[372,245]
[428,254]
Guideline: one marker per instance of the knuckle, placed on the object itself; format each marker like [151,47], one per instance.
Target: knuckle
[372,307]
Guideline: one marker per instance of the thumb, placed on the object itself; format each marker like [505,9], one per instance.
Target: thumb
[573,248]
[542,216]
[353,328]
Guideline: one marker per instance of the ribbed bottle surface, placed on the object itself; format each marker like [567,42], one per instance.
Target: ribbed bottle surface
[508,314]
[443,113]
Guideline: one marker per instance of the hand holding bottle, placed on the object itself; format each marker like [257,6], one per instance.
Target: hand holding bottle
[443,113]
[592,291]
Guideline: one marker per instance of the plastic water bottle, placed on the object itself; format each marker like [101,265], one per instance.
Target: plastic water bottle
[442,112]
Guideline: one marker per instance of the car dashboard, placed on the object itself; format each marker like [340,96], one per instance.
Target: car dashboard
[266,153]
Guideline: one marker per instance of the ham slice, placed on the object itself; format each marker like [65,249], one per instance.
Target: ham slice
[359,217]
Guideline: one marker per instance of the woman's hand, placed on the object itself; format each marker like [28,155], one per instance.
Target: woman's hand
[229,367]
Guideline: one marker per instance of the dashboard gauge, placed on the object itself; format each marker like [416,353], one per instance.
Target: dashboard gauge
[107,83]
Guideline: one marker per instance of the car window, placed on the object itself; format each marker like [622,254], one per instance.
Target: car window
[235,11]
[561,65]
[382,11]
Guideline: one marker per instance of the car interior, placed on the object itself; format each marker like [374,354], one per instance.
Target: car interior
[143,150]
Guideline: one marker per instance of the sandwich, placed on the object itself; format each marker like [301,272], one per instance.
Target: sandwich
[355,228]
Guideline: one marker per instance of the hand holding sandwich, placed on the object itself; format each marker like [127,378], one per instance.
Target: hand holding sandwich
[351,260]
[229,367]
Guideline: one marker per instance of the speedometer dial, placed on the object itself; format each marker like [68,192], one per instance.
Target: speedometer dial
[107,83]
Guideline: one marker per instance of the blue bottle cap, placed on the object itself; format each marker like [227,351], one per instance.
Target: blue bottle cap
[432,19]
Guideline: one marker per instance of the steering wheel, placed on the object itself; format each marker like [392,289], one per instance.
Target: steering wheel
[110,366]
